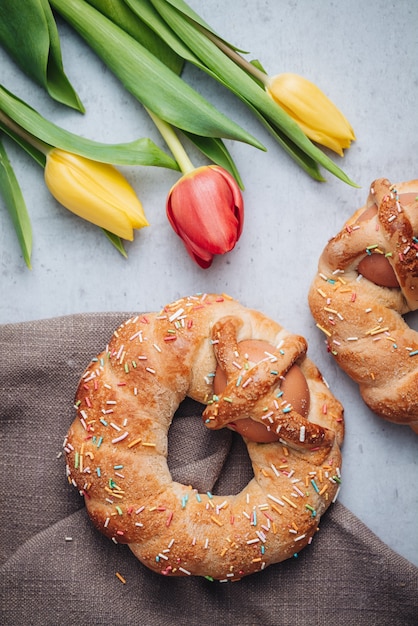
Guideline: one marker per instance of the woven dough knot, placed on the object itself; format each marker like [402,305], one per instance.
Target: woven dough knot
[254,391]
[367,280]
[117,446]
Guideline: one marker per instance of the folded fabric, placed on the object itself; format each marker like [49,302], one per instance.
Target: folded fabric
[57,569]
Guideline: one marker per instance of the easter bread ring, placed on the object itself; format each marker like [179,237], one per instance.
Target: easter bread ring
[116,448]
[367,281]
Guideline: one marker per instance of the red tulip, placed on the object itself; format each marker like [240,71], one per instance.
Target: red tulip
[206,210]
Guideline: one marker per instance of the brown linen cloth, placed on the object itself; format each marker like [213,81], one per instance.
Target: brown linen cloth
[58,570]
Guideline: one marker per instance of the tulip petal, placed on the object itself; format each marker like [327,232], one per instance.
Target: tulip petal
[321,136]
[204,203]
[205,209]
[236,197]
[95,191]
[201,256]
[313,111]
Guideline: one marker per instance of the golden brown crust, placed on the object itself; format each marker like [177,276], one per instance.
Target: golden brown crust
[363,321]
[125,403]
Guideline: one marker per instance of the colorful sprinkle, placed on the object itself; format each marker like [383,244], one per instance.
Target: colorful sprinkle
[121,578]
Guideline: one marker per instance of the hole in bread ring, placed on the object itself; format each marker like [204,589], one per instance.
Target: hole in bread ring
[117,446]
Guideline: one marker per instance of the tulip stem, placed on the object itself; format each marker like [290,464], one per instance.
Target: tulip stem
[251,69]
[44,148]
[173,142]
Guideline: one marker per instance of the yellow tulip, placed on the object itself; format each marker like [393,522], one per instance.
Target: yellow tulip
[94,191]
[307,105]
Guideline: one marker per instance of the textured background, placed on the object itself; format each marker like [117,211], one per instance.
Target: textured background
[363,55]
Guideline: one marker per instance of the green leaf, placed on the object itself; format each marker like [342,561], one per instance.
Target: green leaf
[148,79]
[37,155]
[299,156]
[146,12]
[239,82]
[121,15]
[309,165]
[258,65]
[29,34]
[115,241]
[16,206]
[213,152]
[139,152]
[184,8]
[213,148]
[216,151]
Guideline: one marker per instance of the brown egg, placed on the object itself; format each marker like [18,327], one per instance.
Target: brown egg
[377,269]
[294,386]
[371,211]
[406,198]
[368,213]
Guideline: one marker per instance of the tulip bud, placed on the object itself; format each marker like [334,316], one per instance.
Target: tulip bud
[307,105]
[206,210]
[94,191]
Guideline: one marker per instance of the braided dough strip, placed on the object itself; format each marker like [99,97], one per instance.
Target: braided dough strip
[125,403]
[363,323]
